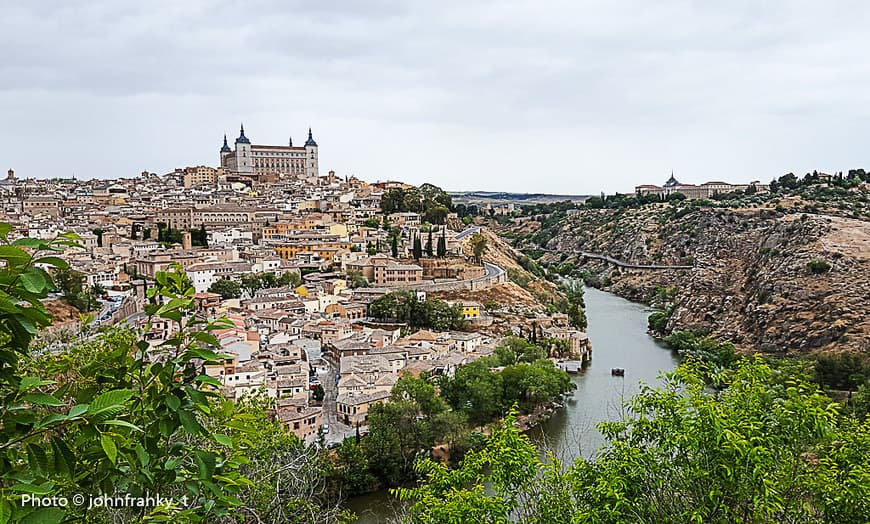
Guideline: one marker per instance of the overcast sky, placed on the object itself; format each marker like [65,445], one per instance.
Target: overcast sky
[571,97]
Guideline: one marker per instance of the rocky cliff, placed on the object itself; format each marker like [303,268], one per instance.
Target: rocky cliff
[769,280]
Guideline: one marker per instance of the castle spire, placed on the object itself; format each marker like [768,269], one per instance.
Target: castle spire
[310,142]
[242,138]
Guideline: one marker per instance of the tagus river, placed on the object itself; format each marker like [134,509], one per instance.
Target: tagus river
[617,329]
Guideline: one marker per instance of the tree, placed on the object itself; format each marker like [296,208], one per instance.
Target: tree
[478,246]
[113,433]
[394,246]
[352,469]
[436,215]
[476,391]
[99,232]
[289,278]
[442,245]
[226,288]
[71,284]
[747,445]
[318,393]
[404,307]
[486,487]
[417,249]
[203,236]
[356,279]
[429,244]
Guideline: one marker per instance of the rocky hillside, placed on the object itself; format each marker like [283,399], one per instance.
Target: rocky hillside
[768,279]
[527,286]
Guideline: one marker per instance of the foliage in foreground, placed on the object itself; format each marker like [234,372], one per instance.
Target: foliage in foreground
[761,448]
[111,415]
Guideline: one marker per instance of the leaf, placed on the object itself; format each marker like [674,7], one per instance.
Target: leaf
[13,255]
[188,420]
[33,243]
[28,383]
[36,458]
[205,379]
[173,402]
[205,462]
[64,460]
[51,419]
[33,281]
[122,423]
[110,400]
[109,447]
[46,515]
[42,399]
[5,229]
[142,455]
[5,507]
[203,353]
[52,261]
[78,409]
[37,489]
[223,440]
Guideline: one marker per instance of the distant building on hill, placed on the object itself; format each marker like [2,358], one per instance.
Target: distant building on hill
[257,160]
[705,190]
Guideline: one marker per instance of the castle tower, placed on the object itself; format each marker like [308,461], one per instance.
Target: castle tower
[10,175]
[244,162]
[312,168]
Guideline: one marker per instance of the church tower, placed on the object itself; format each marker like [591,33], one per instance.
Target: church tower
[312,168]
[244,162]
[225,153]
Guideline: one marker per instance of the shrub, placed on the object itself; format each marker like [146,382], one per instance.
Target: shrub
[818,266]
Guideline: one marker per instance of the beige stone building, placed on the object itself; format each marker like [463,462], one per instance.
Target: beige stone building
[199,175]
[353,408]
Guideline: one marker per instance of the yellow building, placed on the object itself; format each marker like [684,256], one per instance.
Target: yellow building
[470,310]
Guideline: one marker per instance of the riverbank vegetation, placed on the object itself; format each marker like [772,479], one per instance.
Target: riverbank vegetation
[447,416]
[763,448]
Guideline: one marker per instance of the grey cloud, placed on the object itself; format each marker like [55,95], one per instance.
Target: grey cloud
[633,88]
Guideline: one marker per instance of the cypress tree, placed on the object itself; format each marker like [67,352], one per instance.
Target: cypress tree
[442,245]
[429,244]
[394,247]
[418,248]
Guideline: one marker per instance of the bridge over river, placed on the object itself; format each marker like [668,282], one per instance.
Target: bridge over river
[628,265]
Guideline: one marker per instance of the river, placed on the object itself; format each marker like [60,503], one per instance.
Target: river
[617,329]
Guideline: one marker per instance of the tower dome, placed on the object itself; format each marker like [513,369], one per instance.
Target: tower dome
[226,147]
[310,142]
[242,138]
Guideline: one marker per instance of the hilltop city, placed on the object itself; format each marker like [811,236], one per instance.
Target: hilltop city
[293,258]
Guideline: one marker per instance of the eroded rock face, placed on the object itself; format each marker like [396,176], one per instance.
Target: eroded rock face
[752,282]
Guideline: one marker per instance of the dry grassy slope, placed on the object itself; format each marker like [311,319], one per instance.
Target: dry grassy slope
[500,253]
[61,311]
[751,283]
